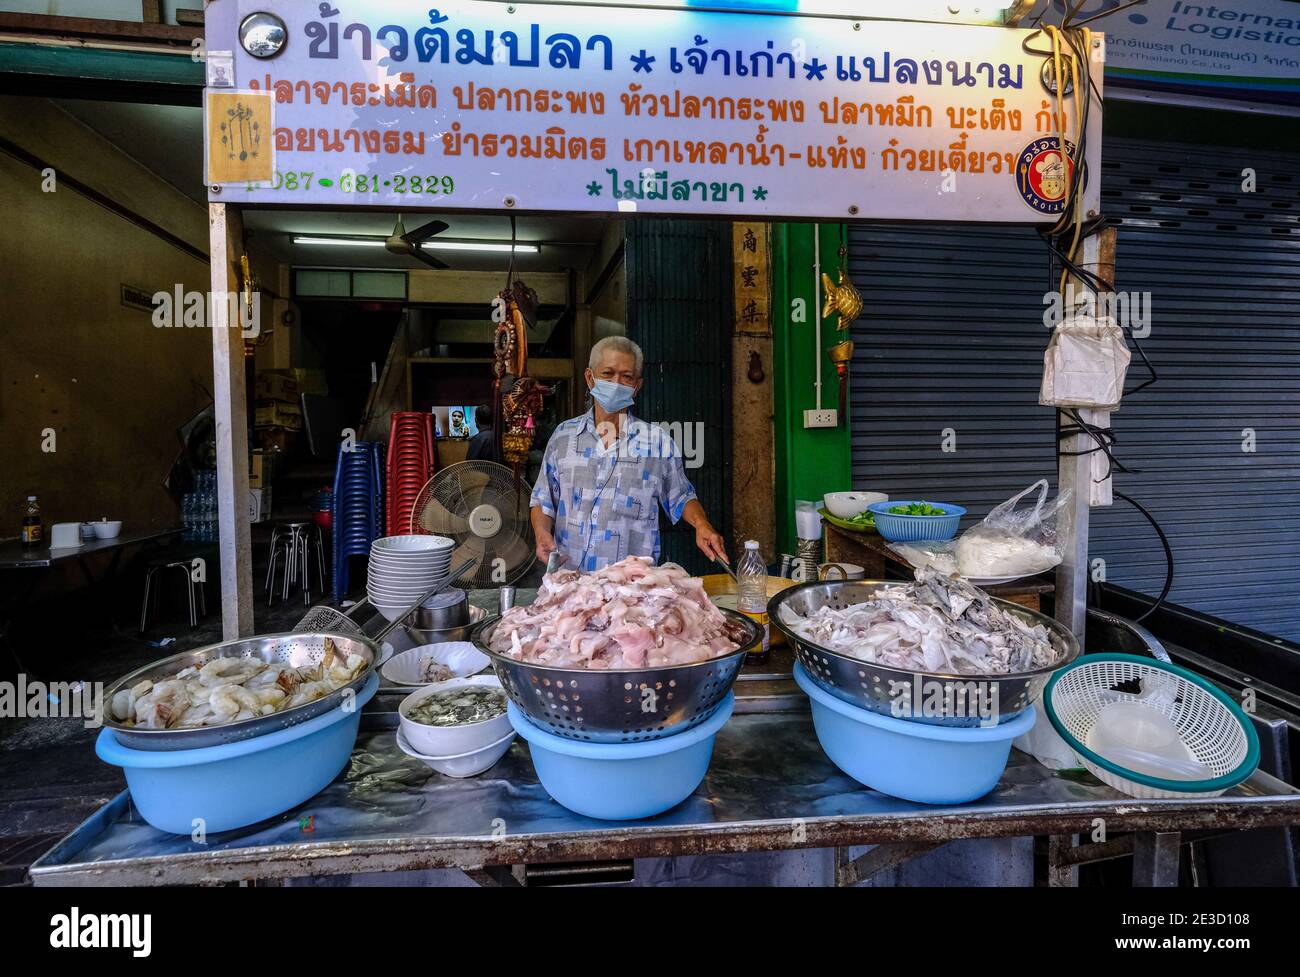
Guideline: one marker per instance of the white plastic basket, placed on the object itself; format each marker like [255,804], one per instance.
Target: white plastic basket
[1210,724]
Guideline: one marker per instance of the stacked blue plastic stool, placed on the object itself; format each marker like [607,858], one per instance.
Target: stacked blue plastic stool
[358,514]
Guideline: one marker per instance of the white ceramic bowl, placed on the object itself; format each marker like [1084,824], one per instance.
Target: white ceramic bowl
[108,528]
[445,741]
[406,561]
[411,544]
[846,505]
[407,667]
[465,764]
[401,574]
[420,581]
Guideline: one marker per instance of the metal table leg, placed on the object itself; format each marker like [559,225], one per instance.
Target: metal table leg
[1061,872]
[1155,858]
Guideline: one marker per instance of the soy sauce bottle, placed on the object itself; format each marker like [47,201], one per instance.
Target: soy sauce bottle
[33,532]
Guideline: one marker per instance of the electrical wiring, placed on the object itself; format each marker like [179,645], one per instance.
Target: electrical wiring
[1169,557]
[1070,44]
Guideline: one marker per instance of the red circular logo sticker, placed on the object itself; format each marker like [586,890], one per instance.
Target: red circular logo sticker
[1043,173]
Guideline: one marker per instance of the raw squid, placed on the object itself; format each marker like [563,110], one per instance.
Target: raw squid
[631,614]
[937,624]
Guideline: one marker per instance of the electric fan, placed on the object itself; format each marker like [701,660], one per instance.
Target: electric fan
[484,508]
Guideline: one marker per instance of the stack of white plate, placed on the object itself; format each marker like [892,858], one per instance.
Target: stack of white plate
[404,567]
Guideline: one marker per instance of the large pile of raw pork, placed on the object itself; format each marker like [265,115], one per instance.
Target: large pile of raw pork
[630,614]
[937,624]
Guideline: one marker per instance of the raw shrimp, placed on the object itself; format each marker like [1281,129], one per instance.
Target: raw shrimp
[228,700]
[163,706]
[124,700]
[236,671]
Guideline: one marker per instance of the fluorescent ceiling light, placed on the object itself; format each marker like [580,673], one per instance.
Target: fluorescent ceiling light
[343,242]
[378,242]
[503,246]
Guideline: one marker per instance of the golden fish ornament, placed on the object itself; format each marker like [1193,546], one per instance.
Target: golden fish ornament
[842,298]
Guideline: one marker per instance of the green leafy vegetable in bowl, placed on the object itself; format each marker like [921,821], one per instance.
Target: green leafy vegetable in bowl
[865,518]
[917,509]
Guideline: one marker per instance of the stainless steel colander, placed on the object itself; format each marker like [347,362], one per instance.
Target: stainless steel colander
[619,706]
[878,687]
[297,648]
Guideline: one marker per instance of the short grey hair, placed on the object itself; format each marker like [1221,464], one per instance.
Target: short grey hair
[615,344]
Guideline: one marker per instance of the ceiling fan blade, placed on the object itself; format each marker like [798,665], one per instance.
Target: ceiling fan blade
[419,254]
[425,230]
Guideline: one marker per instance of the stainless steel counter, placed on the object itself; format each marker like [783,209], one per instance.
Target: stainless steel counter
[769,788]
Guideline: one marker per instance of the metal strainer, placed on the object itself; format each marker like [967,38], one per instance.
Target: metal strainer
[299,649]
[877,687]
[322,617]
[619,706]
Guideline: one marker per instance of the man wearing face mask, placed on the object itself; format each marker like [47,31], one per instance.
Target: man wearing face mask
[605,474]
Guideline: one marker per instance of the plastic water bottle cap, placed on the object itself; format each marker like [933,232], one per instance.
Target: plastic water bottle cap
[751,544]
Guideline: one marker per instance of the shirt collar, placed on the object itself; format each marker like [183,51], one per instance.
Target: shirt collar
[588,422]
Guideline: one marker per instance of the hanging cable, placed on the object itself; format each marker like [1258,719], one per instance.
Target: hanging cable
[1070,45]
[1169,557]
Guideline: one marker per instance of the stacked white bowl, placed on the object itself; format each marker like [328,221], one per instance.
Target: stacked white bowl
[404,567]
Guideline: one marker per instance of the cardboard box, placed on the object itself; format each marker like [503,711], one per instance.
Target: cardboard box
[259,504]
[274,413]
[261,469]
[278,385]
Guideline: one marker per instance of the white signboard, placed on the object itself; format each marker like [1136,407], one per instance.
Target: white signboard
[535,107]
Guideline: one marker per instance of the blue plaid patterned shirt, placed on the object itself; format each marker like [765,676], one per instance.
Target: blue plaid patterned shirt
[605,500]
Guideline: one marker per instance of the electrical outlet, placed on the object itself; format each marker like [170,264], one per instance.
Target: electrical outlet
[821,418]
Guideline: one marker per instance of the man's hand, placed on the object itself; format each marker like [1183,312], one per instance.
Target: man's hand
[545,546]
[710,542]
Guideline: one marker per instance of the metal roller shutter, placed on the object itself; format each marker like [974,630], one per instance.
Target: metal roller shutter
[952,337]
[679,311]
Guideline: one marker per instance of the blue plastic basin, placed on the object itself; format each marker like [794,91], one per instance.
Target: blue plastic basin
[621,781]
[912,529]
[222,787]
[914,761]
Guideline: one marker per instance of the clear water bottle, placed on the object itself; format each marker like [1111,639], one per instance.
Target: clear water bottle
[751,598]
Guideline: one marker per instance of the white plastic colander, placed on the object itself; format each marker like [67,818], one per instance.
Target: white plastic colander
[1212,727]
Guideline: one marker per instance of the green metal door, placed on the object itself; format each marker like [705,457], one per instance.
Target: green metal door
[679,310]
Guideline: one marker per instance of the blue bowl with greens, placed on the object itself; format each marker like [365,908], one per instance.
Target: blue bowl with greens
[913,520]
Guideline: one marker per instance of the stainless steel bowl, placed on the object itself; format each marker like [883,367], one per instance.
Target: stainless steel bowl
[461,632]
[878,687]
[450,610]
[619,706]
[297,648]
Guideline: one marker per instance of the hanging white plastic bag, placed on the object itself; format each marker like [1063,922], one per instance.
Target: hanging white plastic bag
[1011,541]
[1085,364]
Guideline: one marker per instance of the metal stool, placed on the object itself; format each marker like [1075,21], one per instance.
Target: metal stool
[292,541]
[192,587]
